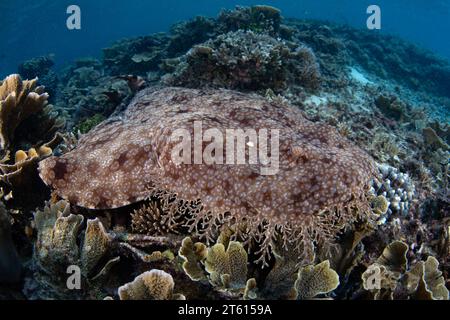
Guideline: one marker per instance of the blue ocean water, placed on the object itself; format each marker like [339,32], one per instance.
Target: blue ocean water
[29,28]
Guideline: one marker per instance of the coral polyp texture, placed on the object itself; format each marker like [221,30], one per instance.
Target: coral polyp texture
[320,186]
[151,285]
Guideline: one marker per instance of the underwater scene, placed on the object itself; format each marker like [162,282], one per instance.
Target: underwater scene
[224,150]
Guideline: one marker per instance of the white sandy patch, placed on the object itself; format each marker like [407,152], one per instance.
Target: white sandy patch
[359,77]
[316,100]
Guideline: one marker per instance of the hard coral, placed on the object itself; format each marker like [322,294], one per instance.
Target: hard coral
[247,60]
[389,277]
[18,100]
[57,245]
[315,280]
[258,18]
[151,285]
[26,119]
[319,189]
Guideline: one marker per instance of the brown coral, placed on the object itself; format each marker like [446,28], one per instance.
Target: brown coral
[20,100]
[164,214]
[25,163]
[319,189]
[316,280]
[151,285]
[57,242]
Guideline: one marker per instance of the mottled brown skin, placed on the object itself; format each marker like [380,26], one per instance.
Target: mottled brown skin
[121,160]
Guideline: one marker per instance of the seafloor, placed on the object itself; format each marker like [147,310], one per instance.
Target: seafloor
[387,235]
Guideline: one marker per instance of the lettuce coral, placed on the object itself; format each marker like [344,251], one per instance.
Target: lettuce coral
[320,187]
[389,277]
[151,285]
[57,245]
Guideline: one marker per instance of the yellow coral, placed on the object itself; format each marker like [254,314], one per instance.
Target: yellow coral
[26,163]
[227,268]
[18,100]
[380,205]
[193,254]
[151,285]
[96,243]
[316,280]
[425,281]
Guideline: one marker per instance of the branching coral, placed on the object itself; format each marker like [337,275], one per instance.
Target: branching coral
[24,168]
[165,213]
[248,61]
[151,285]
[396,187]
[319,189]
[20,100]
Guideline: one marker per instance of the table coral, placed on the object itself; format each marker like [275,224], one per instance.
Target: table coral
[320,187]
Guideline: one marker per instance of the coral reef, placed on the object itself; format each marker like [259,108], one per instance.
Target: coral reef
[57,247]
[19,101]
[248,61]
[135,56]
[40,67]
[89,94]
[151,285]
[390,278]
[330,224]
[330,175]
[229,271]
